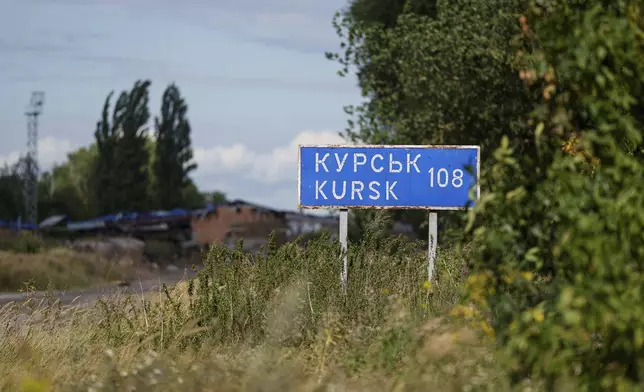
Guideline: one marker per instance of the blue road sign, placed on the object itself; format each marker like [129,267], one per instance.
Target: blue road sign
[412,177]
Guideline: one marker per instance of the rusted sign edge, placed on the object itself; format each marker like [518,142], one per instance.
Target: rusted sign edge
[337,207]
[478,174]
[299,176]
[399,146]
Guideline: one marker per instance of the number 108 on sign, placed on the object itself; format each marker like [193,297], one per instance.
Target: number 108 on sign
[443,178]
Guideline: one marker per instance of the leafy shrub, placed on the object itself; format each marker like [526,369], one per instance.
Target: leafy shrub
[232,291]
[559,266]
[273,323]
[285,314]
[161,252]
[24,242]
[57,268]
[283,295]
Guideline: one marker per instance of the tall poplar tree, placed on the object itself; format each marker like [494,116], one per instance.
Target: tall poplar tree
[132,175]
[105,161]
[121,169]
[173,156]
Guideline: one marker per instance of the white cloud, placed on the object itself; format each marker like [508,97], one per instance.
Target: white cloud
[275,166]
[50,151]
[265,177]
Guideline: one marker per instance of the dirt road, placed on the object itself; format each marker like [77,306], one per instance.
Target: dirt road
[91,295]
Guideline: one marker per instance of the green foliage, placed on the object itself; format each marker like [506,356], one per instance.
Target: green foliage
[284,317]
[430,76]
[233,295]
[215,197]
[131,180]
[234,290]
[173,159]
[453,85]
[55,191]
[571,216]
[120,171]
[133,172]
[11,192]
[385,13]
[104,169]
[69,189]
[273,323]
[27,242]
[191,197]
[562,194]
[23,242]
[160,252]
[557,250]
[122,167]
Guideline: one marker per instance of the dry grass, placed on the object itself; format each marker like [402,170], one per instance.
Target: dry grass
[280,324]
[52,348]
[57,268]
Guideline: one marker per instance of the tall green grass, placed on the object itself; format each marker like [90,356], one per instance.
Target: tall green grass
[273,322]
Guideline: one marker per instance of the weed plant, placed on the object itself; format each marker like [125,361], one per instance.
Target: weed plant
[278,321]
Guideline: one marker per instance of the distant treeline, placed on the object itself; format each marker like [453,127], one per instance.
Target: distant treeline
[126,168]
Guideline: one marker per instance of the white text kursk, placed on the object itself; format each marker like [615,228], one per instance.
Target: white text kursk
[354,190]
[376,163]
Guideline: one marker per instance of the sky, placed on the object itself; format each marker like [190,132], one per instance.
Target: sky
[253,73]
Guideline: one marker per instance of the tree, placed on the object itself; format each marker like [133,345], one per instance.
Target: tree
[12,199]
[434,72]
[218,197]
[385,13]
[46,192]
[69,188]
[192,198]
[12,196]
[559,261]
[63,190]
[121,171]
[215,197]
[359,26]
[430,75]
[104,168]
[174,158]
[132,159]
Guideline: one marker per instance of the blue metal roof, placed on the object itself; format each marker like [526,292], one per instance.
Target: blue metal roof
[16,226]
[124,216]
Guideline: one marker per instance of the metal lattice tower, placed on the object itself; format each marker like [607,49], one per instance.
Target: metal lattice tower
[31,170]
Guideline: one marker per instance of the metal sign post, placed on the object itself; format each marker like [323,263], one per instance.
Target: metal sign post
[432,243]
[433,178]
[343,230]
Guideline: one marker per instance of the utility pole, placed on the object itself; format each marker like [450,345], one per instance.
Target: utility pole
[31,170]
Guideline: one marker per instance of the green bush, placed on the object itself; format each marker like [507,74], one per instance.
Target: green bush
[24,242]
[233,294]
[560,256]
[161,252]
[57,268]
[286,312]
